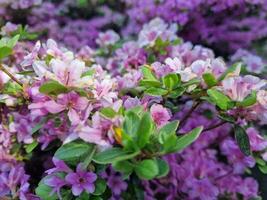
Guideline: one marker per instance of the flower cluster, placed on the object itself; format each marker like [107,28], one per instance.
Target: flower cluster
[99,115]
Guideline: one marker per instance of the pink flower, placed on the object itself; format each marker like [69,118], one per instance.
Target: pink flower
[257,142]
[71,102]
[160,115]
[238,88]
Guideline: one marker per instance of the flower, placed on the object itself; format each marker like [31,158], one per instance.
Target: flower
[257,142]
[160,115]
[56,183]
[81,180]
[238,88]
[107,38]
[68,73]
[60,166]
[74,103]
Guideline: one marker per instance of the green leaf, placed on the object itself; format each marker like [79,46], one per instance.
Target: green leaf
[5,51]
[263,169]
[209,79]
[53,88]
[221,100]
[11,88]
[171,81]
[148,74]
[167,130]
[156,91]
[150,83]
[187,139]
[44,192]
[163,168]
[249,100]
[124,167]
[177,92]
[74,152]
[108,112]
[242,140]
[13,41]
[227,118]
[147,169]
[233,69]
[145,130]
[88,73]
[131,123]
[194,81]
[112,155]
[100,187]
[30,147]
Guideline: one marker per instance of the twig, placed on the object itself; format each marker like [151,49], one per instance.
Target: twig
[10,75]
[184,119]
[214,126]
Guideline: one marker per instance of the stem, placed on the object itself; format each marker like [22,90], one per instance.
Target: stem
[10,75]
[214,126]
[184,119]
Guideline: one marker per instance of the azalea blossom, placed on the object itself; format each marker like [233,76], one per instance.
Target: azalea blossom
[160,115]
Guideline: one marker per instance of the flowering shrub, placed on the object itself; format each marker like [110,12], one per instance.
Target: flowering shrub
[100,115]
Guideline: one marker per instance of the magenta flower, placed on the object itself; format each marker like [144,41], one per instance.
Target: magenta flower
[81,180]
[160,115]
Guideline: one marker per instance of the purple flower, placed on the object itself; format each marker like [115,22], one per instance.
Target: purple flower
[60,166]
[56,183]
[81,180]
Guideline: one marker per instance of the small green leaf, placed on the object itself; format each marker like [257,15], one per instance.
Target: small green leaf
[233,69]
[227,118]
[209,79]
[242,140]
[112,155]
[194,81]
[221,100]
[108,112]
[148,74]
[131,123]
[167,130]
[156,91]
[147,169]
[171,81]
[145,130]
[88,73]
[13,41]
[124,167]
[74,152]
[44,192]
[5,51]
[263,169]
[150,83]
[52,87]
[249,100]
[100,187]
[30,147]
[163,168]
[177,92]
[187,139]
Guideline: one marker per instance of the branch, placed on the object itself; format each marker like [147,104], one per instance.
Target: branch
[214,126]
[10,75]
[184,119]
